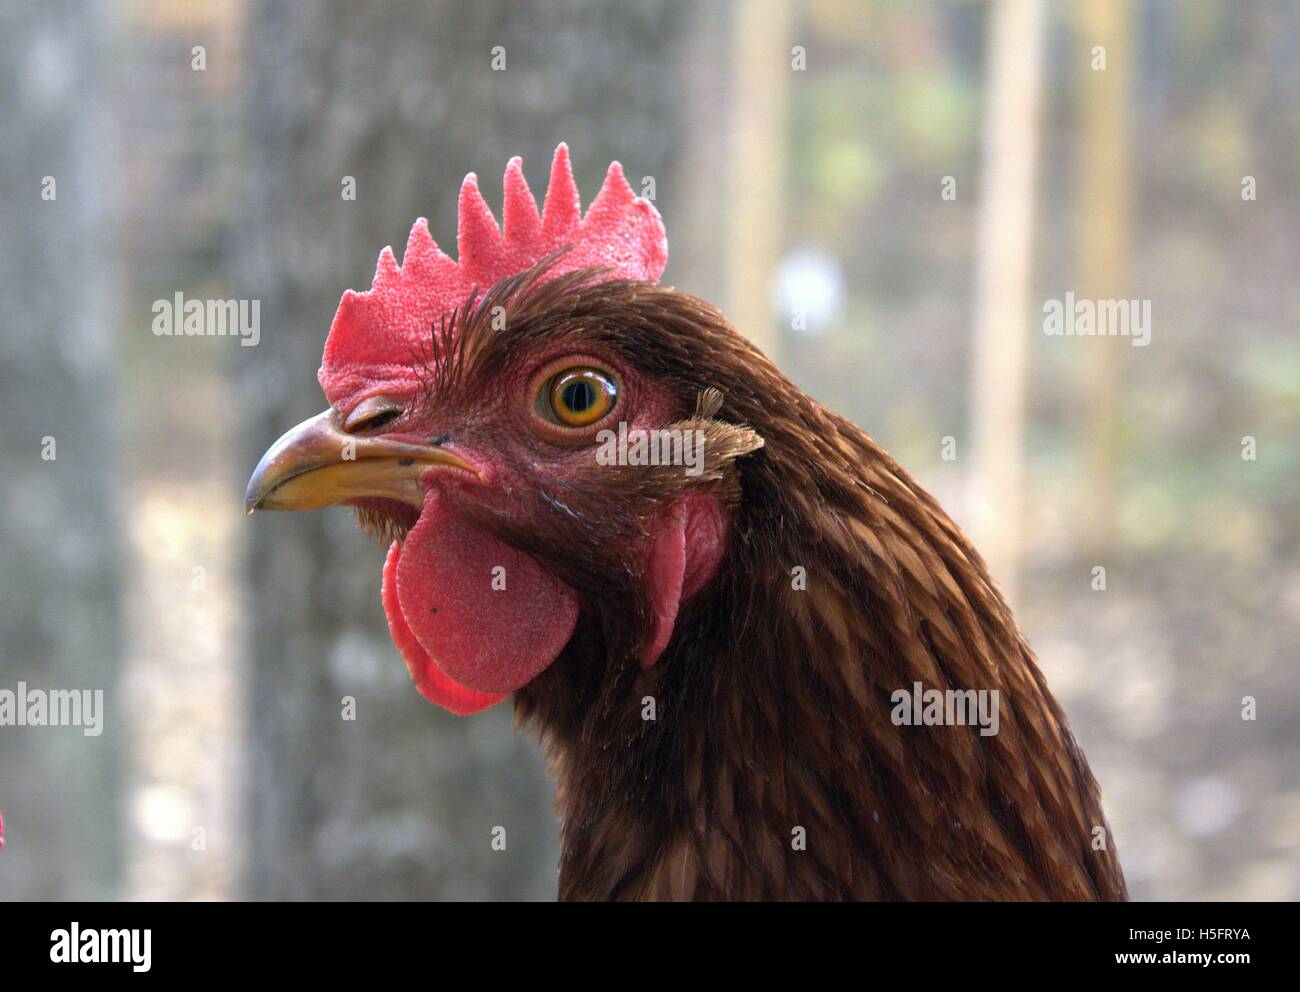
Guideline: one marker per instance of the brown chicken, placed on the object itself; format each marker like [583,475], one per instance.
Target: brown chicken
[763,662]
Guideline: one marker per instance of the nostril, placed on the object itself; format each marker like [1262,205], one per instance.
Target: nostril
[373,422]
[440,440]
[373,413]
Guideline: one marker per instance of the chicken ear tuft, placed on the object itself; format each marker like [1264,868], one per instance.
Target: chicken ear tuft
[708,403]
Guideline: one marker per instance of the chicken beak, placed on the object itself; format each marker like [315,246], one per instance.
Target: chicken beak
[317,464]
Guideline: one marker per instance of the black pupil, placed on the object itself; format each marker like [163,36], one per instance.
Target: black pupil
[580,396]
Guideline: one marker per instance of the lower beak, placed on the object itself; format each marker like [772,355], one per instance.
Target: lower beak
[317,464]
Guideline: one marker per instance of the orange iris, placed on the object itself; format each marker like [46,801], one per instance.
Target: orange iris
[581,396]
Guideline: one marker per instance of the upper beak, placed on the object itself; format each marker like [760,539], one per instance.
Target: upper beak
[317,464]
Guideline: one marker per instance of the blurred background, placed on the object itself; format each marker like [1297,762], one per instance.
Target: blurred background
[883,195]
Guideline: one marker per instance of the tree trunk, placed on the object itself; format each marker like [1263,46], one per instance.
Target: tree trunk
[1104,244]
[1003,282]
[755,182]
[59,626]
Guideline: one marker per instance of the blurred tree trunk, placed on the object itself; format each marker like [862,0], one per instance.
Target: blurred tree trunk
[1103,226]
[755,197]
[701,229]
[1002,284]
[59,625]
[402,802]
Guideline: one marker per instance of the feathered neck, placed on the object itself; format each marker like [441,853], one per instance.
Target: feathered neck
[758,760]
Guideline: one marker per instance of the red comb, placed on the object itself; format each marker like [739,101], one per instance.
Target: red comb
[376,334]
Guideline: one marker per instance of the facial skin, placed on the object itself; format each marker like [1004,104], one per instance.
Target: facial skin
[481,465]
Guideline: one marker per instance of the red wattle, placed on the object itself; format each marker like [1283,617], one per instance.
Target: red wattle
[489,616]
[664,571]
[434,684]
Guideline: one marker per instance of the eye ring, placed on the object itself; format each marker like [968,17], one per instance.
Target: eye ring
[578,396]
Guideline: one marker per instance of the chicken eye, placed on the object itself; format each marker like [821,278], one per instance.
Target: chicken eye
[579,396]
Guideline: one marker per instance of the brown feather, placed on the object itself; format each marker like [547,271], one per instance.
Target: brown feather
[773,704]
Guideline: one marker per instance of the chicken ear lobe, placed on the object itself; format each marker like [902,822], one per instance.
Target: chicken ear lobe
[684,554]
[487,617]
[433,683]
